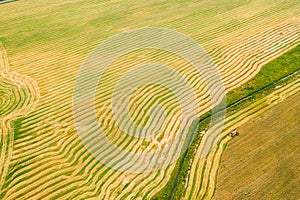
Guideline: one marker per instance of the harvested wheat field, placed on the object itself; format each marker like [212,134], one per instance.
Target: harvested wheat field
[263,162]
[46,44]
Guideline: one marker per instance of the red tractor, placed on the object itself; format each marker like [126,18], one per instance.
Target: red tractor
[234,133]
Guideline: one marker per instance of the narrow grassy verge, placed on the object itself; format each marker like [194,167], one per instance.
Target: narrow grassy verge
[6,1]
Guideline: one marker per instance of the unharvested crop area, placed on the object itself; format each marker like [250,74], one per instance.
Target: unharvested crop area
[42,156]
[263,163]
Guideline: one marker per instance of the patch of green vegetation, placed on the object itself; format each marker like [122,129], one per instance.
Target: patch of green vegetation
[270,73]
[279,71]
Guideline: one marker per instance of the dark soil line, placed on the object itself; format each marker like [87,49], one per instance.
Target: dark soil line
[6,1]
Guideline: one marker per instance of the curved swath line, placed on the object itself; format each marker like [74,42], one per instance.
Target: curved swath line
[54,149]
[60,177]
[20,96]
[243,116]
[135,192]
[141,188]
[61,147]
[4,65]
[156,99]
[6,148]
[137,99]
[251,42]
[147,103]
[43,141]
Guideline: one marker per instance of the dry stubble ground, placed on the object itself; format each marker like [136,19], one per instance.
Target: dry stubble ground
[263,162]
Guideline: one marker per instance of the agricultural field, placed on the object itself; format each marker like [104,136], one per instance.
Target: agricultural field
[44,46]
